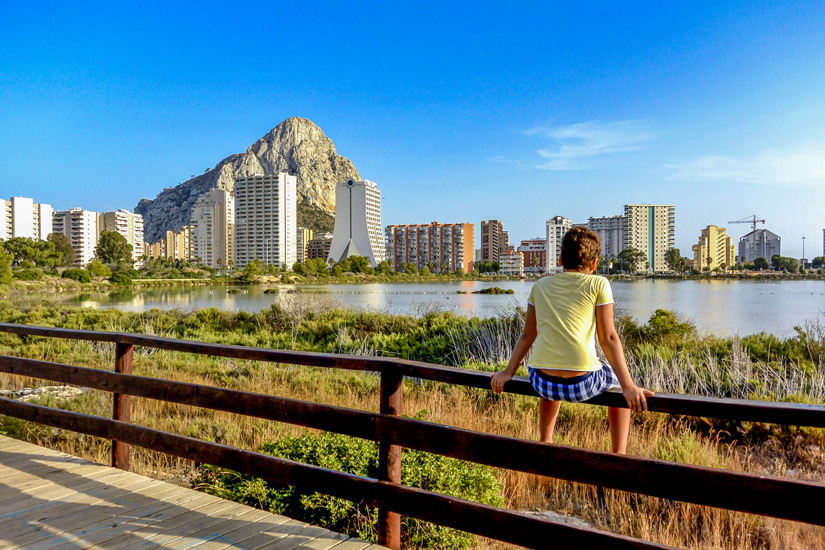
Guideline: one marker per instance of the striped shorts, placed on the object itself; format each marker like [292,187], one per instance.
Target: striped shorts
[575,389]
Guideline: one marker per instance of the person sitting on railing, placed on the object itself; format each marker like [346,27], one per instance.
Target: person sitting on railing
[564,313]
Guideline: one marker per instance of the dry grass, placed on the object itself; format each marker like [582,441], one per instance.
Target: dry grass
[653,435]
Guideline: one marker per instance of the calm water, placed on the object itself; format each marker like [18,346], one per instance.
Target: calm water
[722,307]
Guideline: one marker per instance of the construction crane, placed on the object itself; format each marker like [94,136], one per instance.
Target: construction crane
[751,220]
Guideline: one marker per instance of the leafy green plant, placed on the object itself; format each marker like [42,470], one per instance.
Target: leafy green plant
[98,269]
[120,278]
[356,456]
[76,274]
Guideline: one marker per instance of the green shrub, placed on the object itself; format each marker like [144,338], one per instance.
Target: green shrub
[356,456]
[29,275]
[76,274]
[98,269]
[121,278]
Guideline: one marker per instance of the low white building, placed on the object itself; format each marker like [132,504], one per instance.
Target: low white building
[358,230]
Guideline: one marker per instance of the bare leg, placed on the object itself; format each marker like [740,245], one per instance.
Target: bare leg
[619,428]
[548,413]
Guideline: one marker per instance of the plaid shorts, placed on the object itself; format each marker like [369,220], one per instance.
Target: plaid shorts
[577,389]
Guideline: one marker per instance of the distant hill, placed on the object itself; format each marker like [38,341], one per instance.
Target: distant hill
[296,146]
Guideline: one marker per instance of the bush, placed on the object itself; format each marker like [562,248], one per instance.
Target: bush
[98,269]
[356,456]
[76,274]
[120,278]
[29,275]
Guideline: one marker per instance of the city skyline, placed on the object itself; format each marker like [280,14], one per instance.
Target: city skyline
[713,108]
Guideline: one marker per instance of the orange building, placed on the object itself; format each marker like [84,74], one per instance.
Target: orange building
[440,247]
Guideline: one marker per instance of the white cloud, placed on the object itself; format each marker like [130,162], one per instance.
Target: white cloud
[804,165]
[581,145]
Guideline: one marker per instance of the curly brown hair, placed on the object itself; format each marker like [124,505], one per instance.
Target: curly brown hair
[579,247]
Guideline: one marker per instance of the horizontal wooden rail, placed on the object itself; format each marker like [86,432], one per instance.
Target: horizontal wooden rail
[453,512]
[770,496]
[794,414]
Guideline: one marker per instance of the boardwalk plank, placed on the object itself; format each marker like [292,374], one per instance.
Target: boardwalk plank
[53,501]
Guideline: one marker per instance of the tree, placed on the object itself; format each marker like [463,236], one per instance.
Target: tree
[35,253]
[630,259]
[410,269]
[112,248]
[425,271]
[384,268]
[6,259]
[674,260]
[818,262]
[298,268]
[98,269]
[761,263]
[359,264]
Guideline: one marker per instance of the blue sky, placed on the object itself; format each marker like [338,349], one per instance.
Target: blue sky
[461,111]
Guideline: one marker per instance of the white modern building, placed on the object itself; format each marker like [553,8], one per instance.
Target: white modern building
[759,243]
[265,219]
[22,217]
[358,222]
[212,234]
[611,233]
[129,225]
[651,228]
[80,228]
[511,263]
[557,226]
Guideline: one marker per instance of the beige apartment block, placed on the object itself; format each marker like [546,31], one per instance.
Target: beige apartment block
[265,219]
[212,233]
[440,247]
[715,249]
[80,228]
[303,235]
[127,224]
[511,262]
[651,228]
[22,217]
[494,241]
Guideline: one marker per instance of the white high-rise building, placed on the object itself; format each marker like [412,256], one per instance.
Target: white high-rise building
[22,217]
[557,226]
[80,228]
[651,228]
[265,219]
[127,224]
[611,233]
[358,222]
[212,236]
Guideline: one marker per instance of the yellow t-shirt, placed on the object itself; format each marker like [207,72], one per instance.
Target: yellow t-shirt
[566,317]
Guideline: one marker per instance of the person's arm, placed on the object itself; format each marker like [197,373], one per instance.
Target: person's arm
[523,345]
[613,351]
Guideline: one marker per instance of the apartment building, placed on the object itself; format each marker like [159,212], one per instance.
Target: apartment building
[557,226]
[760,243]
[611,233]
[176,245]
[212,233]
[511,263]
[534,255]
[318,247]
[22,217]
[714,249]
[357,222]
[494,240]
[265,219]
[127,224]
[81,229]
[651,228]
[439,246]
[303,236]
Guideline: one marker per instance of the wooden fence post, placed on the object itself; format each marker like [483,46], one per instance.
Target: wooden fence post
[389,459]
[122,405]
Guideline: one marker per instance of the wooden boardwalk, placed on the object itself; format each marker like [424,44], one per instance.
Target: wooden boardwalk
[58,501]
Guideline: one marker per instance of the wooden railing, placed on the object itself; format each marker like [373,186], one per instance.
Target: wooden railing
[764,495]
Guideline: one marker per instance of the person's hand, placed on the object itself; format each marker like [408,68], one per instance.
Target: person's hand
[636,397]
[499,379]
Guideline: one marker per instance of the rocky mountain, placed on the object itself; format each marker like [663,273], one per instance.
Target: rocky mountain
[296,146]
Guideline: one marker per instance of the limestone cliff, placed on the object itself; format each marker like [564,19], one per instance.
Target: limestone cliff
[296,146]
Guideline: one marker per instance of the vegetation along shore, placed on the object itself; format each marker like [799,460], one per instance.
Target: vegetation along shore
[665,354]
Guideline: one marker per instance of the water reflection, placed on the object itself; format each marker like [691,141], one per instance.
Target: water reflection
[717,306]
